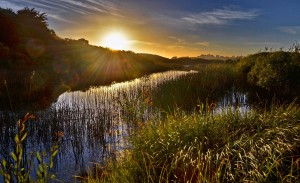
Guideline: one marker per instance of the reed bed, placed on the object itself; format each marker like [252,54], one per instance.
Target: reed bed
[209,83]
[257,146]
[89,126]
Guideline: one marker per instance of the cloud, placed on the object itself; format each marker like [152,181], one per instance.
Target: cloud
[177,39]
[10,4]
[293,30]
[61,19]
[262,43]
[175,47]
[141,42]
[220,16]
[204,43]
[60,9]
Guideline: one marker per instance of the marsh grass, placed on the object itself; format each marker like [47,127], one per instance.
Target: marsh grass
[27,167]
[256,146]
[180,145]
[210,82]
[89,126]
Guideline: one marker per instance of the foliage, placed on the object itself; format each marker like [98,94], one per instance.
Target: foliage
[20,170]
[258,146]
[274,71]
[28,45]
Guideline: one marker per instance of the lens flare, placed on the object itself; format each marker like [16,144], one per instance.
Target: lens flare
[115,41]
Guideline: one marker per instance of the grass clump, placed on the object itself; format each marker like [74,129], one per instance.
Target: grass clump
[208,83]
[258,146]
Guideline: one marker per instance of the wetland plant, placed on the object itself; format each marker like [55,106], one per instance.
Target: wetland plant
[256,146]
[22,167]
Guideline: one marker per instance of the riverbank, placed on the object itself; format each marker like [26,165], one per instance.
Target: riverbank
[98,124]
[256,146]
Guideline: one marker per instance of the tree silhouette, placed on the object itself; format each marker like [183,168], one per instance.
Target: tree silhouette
[33,14]
[33,23]
[8,30]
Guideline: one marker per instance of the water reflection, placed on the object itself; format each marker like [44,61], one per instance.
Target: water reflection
[233,101]
[93,125]
[102,118]
[89,126]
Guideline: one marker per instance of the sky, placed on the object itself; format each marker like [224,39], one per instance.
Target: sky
[175,27]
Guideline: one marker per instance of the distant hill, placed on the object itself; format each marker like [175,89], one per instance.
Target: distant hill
[218,57]
[37,65]
[194,60]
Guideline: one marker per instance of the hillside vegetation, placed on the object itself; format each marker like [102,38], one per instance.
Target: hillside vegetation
[35,62]
[37,66]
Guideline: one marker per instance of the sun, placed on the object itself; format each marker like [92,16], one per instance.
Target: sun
[115,41]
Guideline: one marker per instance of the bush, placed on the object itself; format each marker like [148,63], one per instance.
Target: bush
[274,71]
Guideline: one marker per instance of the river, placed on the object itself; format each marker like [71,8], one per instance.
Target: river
[93,125]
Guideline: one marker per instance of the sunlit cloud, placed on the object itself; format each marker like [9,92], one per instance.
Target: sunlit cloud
[293,30]
[177,39]
[220,16]
[175,47]
[172,27]
[141,42]
[204,43]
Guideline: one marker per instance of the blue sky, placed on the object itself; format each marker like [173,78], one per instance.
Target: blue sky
[176,28]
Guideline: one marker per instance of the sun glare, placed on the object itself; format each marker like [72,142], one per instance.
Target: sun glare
[115,41]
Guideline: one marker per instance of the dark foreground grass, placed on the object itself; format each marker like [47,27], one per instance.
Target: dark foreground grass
[258,146]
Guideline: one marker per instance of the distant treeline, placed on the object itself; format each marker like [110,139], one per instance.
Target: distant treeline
[36,65]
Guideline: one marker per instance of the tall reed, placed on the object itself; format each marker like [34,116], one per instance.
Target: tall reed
[256,146]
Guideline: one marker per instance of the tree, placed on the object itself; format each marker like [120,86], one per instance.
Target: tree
[33,24]
[33,15]
[8,30]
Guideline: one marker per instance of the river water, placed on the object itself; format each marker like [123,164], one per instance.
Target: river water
[93,125]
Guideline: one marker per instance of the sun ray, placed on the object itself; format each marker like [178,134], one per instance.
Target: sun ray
[115,41]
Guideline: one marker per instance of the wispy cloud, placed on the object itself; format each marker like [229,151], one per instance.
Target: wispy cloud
[220,16]
[61,9]
[293,30]
[180,42]
[10,4]
[87,7]
[141,42]
[262,43]
[61,19]
[204,43]
[175,47]
[177,39]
